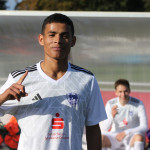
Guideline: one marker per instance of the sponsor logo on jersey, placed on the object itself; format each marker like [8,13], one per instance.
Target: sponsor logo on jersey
[57,123]
[37,97]
[73,99]
[125,122]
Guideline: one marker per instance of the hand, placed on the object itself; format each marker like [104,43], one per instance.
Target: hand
[114,110]
[120,136]
[15,91]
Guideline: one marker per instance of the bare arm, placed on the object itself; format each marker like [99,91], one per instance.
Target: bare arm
[15,91]
[93,137]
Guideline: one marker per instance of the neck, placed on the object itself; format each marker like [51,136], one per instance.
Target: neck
[124,102]
[54,69]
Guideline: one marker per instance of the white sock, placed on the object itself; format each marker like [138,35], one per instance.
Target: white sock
[127,147]
[104,148]
[139,145]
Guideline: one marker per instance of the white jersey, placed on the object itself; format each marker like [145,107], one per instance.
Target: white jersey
[130,118]
[54,113]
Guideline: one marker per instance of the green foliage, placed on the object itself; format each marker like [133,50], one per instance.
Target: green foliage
[3,4]
[147,5]
[85,5]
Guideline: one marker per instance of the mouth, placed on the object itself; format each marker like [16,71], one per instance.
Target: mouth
[57,48]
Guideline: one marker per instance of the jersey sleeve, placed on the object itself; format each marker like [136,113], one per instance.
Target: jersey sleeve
[143,123]
[107,124]
[95,108]
[8,106]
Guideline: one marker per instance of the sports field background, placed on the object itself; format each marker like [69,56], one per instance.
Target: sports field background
[111,45]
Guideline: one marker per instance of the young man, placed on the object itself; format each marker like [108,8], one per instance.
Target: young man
[127,121]
[54,99]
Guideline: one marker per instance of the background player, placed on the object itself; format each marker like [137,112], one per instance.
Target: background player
[127,121]
[55,98]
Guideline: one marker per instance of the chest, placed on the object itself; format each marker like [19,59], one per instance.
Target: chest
[127,114]
[45,99]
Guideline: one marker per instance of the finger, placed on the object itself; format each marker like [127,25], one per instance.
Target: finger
[14,94]
[22,77]
[16,90]
[115,106]
[19,89]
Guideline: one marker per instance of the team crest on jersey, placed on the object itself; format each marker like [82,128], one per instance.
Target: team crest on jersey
[73,99]
[131,113]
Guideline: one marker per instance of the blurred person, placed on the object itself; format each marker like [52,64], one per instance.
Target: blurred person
[54,99]
[148,137]
[127,121]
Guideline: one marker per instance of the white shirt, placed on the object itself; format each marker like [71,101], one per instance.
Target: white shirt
[130,118]
[54,113]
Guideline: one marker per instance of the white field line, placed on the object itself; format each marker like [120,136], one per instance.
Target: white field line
[109,83]
[131,83]
[137,84]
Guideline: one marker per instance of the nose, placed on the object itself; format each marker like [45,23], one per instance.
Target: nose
[57,39]
[123,94]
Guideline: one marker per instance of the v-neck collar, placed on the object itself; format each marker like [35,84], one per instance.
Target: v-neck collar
[49,79]
[125,104]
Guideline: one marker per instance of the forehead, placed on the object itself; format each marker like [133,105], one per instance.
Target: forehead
[57,27]
[121,87]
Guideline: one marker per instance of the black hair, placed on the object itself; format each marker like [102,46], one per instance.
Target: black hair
[58,18]
[122,82]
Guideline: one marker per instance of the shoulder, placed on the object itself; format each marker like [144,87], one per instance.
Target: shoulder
[80,69]
[135,101]
[22,71]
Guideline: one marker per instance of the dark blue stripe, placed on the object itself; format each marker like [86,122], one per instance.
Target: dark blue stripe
[80,69]
[19,72]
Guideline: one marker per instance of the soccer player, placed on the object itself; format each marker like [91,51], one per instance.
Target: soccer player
[127,121]
[54,99]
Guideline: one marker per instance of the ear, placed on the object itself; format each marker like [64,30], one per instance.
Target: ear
[40,39]
[73,41]
[116,93]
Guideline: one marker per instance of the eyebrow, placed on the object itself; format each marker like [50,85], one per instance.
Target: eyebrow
[56,32]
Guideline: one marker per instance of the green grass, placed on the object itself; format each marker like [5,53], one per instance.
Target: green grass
[111,72]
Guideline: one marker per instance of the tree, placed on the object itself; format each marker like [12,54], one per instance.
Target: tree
[147,5]
[45,5]
[85,5]
[3,4]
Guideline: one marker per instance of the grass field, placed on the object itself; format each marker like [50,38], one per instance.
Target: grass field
[137,74]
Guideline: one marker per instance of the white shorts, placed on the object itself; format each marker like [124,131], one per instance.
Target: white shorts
[115,144]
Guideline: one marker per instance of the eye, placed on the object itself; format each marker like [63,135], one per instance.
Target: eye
[65,36]
[51,35]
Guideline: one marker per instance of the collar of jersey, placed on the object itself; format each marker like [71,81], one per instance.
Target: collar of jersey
[126,104]
[46,77]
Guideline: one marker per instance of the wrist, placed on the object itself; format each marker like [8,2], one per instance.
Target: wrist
[2,99]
